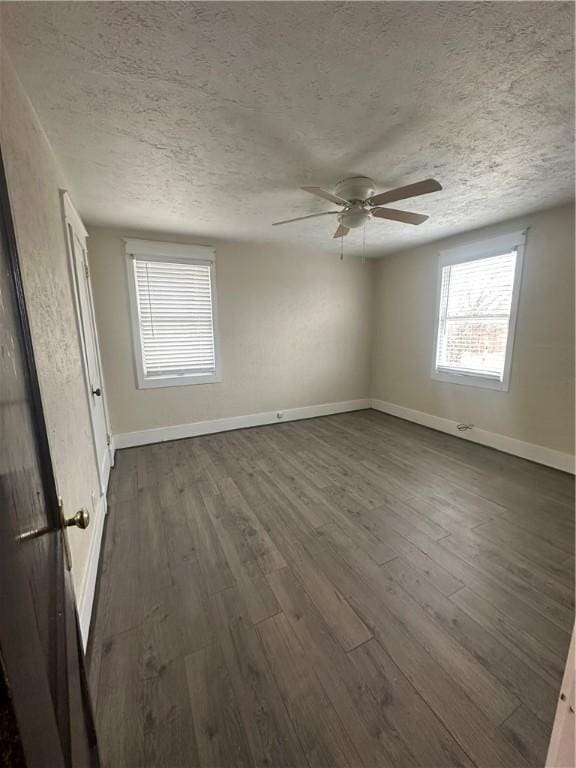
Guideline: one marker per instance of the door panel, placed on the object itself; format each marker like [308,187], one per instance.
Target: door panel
[89,338]
[82,733]
[40,661]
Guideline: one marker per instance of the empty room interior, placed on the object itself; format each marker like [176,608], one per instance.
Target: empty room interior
[279,490]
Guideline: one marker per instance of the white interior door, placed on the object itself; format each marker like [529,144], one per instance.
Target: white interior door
[77,235]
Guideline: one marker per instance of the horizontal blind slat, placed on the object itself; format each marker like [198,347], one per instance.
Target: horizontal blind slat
[176,317]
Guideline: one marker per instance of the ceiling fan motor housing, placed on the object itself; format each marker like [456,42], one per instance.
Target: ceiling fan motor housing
[356,188]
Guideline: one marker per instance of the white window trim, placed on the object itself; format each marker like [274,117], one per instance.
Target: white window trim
[482,249]
[191,254]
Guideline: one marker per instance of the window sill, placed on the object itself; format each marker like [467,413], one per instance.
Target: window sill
[157,382]
[469,380]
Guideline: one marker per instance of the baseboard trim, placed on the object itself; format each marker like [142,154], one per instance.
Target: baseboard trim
[537,453]
[530,451]
[179,431]
[88,588]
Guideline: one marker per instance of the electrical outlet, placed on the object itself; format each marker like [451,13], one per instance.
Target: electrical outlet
[280,415]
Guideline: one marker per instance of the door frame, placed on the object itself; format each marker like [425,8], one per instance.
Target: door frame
[80,271]
[34,733]
[561,747]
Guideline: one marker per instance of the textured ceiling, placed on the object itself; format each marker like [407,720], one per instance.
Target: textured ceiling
[205,118]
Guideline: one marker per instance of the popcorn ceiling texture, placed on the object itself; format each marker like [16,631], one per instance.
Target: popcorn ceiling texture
[204,118]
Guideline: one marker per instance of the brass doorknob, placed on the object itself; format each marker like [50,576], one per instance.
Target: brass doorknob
[81,519]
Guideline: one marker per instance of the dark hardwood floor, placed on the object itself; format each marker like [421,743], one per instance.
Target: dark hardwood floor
[353,590]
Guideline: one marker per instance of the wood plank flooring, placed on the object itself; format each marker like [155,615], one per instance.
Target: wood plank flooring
[354,590]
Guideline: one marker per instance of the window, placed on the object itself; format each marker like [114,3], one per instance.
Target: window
[172,302]
[476,312]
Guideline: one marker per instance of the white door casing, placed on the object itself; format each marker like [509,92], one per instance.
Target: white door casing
[562,749]
[76,236]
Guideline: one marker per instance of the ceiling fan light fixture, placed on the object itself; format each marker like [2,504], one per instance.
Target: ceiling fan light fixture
[354,217]
[356,197]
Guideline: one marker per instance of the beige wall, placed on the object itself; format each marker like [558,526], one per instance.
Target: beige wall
[539,408]
[34,179]
[296,328]
[294,331]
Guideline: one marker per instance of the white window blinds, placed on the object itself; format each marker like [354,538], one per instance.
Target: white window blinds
[474,317]
[175,317]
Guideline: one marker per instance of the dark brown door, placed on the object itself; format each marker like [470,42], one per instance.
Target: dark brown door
[45,714]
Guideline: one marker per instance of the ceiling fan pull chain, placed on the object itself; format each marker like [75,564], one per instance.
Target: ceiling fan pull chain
[364,244]
[341,247]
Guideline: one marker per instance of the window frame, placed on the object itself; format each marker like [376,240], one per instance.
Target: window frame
[476,251]
[150,250]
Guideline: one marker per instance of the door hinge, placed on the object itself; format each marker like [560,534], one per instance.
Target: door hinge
[108,439]
[86,270]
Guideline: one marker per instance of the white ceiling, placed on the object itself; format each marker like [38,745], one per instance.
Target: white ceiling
[206,118]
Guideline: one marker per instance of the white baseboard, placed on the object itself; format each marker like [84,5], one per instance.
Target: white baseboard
[538,453]
[88,588]
[161,434]
[530,451]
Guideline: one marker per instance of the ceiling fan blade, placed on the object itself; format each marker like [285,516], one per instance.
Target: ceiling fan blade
[403,216]
[401,193]
[326,195]
[301,218]
[342,231]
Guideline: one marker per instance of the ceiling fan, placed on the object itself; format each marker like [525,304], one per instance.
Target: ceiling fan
[359,203]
